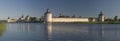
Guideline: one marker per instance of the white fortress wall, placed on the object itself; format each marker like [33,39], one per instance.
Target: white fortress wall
[10,20]
[70,19]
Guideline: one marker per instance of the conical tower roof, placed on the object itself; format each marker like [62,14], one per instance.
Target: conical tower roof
[48,11]
[101,14]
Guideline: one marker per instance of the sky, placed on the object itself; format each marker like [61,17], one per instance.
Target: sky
[37,8]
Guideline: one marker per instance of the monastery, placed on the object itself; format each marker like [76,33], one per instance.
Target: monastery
[49,18]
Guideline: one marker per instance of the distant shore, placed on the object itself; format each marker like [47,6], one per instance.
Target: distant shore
[76,22]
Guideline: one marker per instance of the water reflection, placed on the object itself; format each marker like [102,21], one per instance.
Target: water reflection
[96,32]
[60,32]
[28,26]
[75,32]
[25,27]
[48,27]
[101,31]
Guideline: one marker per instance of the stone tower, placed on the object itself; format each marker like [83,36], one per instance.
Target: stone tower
[8,20]
[48,16]
[101,17]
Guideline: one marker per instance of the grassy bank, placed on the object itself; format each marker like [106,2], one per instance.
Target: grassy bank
[2,28]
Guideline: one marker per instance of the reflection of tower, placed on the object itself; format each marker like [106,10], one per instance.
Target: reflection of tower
[48,16]
[101,17]
[49,30]
[23,27]
[101,32]
[28,27]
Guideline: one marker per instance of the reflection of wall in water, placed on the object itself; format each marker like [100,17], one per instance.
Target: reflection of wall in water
[70,31]
[25,27]
[70,28]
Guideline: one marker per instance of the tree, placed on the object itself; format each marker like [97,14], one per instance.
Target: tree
[108,19]
[67,16]
[73,16]
[60,15]
[80,16]
[116,18]
[8,17]
[33,19]
[119,20]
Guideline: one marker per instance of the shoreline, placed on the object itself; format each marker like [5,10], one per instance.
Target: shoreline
[75,22]
[88,22]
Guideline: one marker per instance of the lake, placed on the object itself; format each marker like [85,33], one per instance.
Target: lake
[59,32]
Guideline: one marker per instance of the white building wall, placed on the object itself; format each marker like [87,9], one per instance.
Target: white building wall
[22,18]
[103,18]
[70,20]
[11,21]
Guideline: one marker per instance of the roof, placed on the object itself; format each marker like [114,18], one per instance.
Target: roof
[101,14]
[48,11]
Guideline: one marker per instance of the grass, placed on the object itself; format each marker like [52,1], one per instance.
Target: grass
[2,28]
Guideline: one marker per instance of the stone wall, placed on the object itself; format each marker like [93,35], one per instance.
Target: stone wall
[70,19]
[11,20]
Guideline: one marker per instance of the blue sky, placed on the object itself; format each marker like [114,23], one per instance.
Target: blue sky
[85,8]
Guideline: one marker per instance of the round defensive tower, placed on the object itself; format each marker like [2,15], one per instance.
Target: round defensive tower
[48,16]
[101,17]
[8,20]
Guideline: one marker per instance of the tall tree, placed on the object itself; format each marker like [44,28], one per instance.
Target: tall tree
[116,18]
